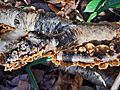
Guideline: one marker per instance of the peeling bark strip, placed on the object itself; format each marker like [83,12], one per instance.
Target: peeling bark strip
[101,53]
[38,34]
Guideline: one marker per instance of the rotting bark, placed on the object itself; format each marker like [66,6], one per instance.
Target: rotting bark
[37,33]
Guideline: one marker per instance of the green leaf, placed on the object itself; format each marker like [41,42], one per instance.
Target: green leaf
[117,6]
[109,4]
[91,7]
[93,15]
[112,3]
[106,5]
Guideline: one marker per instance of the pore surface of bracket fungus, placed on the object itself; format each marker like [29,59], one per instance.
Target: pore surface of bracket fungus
[27,36]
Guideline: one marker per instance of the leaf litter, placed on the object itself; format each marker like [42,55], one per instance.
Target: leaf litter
[67,78]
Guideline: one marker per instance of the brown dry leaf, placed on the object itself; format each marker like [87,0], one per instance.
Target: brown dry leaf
[63,82]
[38,74]
[21,81]
[15,80]
[68,82]
[22,85]
[70,5]
[18,3]
[53,8]
[86,88]
[67,6]
[77,82]
[45,81]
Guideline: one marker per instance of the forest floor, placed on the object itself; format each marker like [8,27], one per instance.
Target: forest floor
[47,75]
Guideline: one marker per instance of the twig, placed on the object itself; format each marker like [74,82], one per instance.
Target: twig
[116,83]
[114,12]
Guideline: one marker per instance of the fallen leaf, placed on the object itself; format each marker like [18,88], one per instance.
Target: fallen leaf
[67,6]
[68,82]
[86,88]
[22,85]
[15,80]
[77,82]
[3,88]
[53,8]
[38,74]
[45,81]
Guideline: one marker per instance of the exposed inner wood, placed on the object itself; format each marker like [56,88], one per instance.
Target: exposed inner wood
[35,35]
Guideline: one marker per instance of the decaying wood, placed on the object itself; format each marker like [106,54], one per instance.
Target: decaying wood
[5,28]
[40,34]
[98,77]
